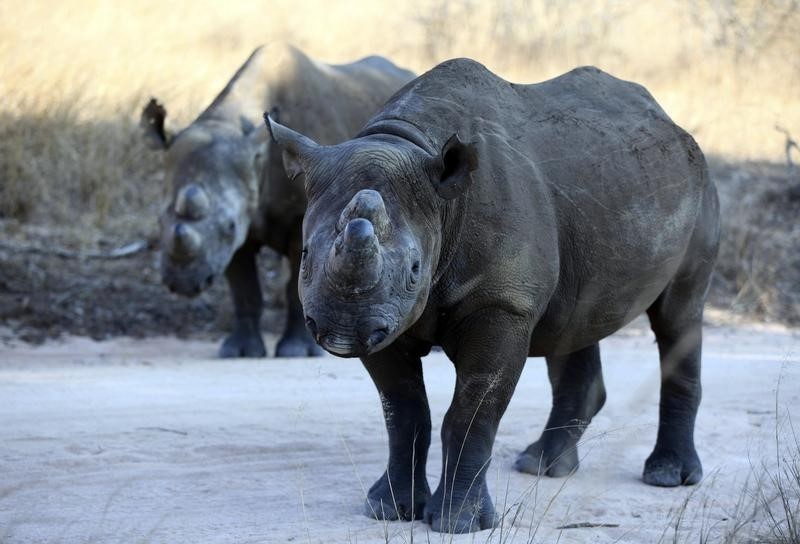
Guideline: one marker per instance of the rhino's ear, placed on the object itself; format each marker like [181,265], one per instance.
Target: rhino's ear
[455,164]
[152,123]
[297,149]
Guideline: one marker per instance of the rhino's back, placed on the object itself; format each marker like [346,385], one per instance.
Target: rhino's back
[625,185]
[326,102]
[591,190]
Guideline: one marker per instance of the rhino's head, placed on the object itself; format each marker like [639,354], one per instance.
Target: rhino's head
[372,232]
[213,171]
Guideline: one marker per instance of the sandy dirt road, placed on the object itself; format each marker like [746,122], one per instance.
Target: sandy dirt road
[155,441]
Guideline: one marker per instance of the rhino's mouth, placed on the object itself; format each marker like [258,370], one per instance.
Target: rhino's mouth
[348,345]
[189,288]
[343,346]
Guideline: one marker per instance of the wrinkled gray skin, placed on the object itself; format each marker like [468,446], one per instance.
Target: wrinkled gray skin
[230,192]
[503,221]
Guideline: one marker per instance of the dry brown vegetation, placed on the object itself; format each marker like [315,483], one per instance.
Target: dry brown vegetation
[74,75]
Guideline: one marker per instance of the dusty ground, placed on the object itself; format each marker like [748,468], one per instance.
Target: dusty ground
[155,441]
[56,281]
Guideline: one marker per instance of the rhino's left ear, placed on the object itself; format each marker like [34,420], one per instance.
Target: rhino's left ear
[297,149]
[453,174]
[152,125]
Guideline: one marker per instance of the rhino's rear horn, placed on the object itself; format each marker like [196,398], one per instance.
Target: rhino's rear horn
[367,204]
[355,261]
[185,242]
[192,202]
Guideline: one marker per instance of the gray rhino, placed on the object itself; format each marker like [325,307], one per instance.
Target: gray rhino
[230,192]
[503,221]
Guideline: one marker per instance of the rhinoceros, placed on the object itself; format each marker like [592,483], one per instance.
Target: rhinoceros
[504,221]
[230,194]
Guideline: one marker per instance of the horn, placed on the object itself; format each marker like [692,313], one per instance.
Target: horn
[355,260]
[192,202]
[185,241]
[369,205]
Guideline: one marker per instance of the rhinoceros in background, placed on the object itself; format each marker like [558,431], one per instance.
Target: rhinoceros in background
[230,192]
[503,221]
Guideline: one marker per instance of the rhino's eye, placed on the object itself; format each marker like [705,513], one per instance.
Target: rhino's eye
[412,276]
[415,272]
[229,228]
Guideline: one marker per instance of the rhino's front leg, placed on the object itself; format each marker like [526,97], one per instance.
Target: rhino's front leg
[242,275]
[489,352]
[402,491]
[296,340]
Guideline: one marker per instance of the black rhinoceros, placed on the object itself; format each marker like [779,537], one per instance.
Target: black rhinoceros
[503,221]
[230,194]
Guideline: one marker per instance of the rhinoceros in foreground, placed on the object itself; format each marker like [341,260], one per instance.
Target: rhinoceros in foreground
[230,192]
[503,221]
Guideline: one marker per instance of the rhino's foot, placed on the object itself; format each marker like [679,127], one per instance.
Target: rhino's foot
[670,468]
[546,459]
[451,515]
[396,501]
[244,341]
[295,346]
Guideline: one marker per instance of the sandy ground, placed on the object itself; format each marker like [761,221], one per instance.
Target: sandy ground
[155,441]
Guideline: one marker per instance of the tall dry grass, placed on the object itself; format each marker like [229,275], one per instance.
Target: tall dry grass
[75,73]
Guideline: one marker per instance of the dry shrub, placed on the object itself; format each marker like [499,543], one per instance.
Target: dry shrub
[758,270]
[86,171]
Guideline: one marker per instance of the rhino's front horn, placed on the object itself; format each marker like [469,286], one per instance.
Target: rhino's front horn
[186,241]
[192,202]
[355,261]
[369,205]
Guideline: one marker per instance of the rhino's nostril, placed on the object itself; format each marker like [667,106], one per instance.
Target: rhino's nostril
[377,336]
[209,281]
[312,326]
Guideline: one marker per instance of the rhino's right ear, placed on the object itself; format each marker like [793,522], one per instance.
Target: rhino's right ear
[152,123]
[297,149]
[454,166]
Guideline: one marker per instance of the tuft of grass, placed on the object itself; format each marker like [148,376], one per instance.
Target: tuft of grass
[766,510]
[782,507]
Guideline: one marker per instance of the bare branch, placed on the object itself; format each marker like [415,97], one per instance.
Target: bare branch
[121,252]
[790,143]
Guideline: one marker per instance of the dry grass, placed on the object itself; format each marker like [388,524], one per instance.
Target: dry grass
[74,75]
[766,510]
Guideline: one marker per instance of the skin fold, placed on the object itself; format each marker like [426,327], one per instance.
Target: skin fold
[230,192]
[504,221]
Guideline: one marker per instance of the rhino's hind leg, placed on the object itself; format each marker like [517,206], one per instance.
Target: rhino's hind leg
[676,318]
[674,460]
[402,491]
[242,275]
[578,394]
